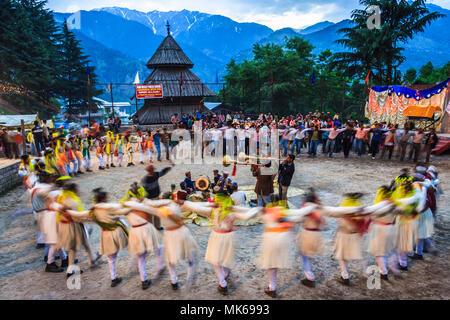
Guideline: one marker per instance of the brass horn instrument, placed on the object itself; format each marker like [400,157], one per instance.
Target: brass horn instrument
[227,161]
[243,157]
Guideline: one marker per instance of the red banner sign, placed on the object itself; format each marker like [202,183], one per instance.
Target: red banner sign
[149,91]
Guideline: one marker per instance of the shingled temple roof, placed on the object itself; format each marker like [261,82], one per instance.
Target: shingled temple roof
[170,78]
[183,91]
[171,68]
[169,54]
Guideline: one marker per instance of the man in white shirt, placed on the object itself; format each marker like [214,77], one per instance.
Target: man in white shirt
[290,137]
[299,135]
[238,197]
[216,135]
[252,136]
[264,139]
[206,137]
[229,140]
[241,135]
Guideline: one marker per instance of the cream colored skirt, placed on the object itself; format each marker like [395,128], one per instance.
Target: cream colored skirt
[275,250]
[112,242]
[72,236]
[143,239]
[220,250]
[381,239]
[347,246]
[49,226]
[405,235]
[425,225]
[309,243]
[179,245]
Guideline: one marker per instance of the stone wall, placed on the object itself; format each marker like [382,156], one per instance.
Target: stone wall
[9,177]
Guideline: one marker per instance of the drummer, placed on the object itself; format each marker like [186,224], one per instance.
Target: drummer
[202,183]
[202,187]
[189,183]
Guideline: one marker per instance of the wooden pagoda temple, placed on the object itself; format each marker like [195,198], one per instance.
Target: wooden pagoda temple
[183,91]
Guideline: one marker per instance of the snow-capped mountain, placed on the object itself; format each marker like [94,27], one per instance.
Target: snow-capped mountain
[211,41]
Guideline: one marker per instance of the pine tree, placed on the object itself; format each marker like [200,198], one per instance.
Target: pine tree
[74,78]
[27,51]
[41,61]
[381,50]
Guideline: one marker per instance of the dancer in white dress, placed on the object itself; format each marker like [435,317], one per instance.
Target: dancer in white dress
[409,201]
[43,197]
[179,244]
[72,234]
[381,233]
[425,222]
[143,238]
[309,240]
[348,240]
[220,250]
[114,236]
[274,253]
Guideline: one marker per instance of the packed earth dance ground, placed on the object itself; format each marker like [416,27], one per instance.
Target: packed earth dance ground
[405,244]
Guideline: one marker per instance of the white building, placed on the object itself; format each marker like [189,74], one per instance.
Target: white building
[122,109]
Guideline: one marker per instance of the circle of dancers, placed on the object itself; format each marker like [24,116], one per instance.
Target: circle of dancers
[399,224]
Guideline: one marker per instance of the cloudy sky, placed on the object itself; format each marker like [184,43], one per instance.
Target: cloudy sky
[275,14]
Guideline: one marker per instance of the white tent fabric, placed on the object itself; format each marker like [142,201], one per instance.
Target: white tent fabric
[13,120]
[212,105]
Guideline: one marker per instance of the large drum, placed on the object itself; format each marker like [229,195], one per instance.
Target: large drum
[202,183]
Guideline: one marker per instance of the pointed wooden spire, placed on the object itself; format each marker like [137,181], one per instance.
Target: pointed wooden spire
[168,28]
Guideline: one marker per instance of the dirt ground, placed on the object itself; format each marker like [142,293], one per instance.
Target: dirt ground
[22,273]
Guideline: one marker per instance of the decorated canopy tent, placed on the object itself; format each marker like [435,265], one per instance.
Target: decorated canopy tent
[399,104]
[182,89]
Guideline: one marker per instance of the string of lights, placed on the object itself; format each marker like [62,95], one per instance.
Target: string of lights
[14,90]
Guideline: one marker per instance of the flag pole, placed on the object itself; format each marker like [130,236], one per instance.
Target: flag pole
[259,94]
[135,95]
[343,97]
[89,104]
[89,94]
[112,100]
[366,88]
[181,83]
[321,94]
[366,83]
[271,83]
